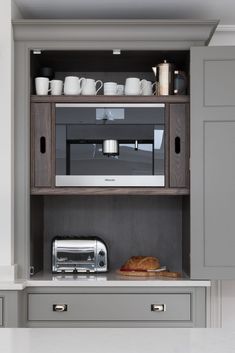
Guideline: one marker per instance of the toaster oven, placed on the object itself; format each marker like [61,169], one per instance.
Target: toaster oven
[79,254]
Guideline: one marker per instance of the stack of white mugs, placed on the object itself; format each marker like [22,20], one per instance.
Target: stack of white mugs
[74,85]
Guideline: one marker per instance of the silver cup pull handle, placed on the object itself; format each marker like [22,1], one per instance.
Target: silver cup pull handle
[158,307]
[60,307]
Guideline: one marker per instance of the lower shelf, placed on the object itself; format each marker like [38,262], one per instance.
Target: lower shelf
[109,191]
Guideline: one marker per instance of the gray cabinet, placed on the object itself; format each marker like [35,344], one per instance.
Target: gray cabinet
[1,312]
[81,36]
[95,307]
[123,307]
[11,308]
[212,163]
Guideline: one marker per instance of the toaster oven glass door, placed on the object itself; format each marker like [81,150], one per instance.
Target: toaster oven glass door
[80,259]
[137,131]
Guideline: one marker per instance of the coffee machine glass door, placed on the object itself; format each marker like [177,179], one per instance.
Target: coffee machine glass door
[110,144]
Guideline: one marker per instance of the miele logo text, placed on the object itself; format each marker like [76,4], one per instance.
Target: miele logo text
[110,179]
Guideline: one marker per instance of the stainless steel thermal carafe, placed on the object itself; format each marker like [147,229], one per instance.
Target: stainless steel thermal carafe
[164,73]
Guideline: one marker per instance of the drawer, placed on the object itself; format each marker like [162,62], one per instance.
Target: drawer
[117,307]
[1,312]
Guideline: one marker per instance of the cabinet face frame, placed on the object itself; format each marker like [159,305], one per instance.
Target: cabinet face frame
[28,38]
[22,140]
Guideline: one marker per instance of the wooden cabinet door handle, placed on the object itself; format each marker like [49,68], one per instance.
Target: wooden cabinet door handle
[177,145]
[43,144]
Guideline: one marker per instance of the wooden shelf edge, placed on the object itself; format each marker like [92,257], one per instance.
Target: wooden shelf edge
[110,99]
[109,191]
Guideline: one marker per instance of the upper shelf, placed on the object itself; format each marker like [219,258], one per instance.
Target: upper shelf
[110,99]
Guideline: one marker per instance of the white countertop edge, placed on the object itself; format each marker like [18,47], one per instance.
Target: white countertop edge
[119,283]
[12,285]
[100,283]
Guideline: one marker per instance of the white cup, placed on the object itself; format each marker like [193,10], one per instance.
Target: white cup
[89,87]
[56,87]
[147,87]
[42,86]
[133,86]
[72,85]
[110,88]
[120,90]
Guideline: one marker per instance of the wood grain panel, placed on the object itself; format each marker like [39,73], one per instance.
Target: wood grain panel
[110,99]
[167,149]
[36,232]
[41,160]
[179,149]
[53,145]
[186,235]
[109,191]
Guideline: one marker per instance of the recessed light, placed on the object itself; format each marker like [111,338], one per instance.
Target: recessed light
[116,51]
[37,51]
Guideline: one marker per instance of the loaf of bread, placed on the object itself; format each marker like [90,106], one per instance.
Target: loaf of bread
[141,263]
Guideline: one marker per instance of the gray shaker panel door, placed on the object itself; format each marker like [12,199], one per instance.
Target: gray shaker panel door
[219,82]
[219,193]
[212,162]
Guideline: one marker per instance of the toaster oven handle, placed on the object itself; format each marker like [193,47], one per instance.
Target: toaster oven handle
[60,307]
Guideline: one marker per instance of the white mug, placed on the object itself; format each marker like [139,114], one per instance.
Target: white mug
[120,90]
[56,87]
[42,86]
[133,86]
[147,87]
[72,85]
[89,87]
[110,88]
[156,84]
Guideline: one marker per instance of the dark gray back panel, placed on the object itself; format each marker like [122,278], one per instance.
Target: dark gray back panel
[36,232]
[136,225]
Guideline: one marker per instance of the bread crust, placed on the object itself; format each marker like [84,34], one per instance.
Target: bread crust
[141,263]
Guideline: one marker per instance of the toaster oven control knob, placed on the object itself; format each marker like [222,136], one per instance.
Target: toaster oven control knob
[101,263]
[101,253]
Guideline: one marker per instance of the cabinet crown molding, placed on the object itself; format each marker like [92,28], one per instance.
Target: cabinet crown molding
[159,34]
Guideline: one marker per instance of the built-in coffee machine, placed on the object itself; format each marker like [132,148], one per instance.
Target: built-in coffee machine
[110,144]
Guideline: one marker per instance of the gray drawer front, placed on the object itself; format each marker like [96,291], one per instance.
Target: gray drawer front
[1,312]
[116,307]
